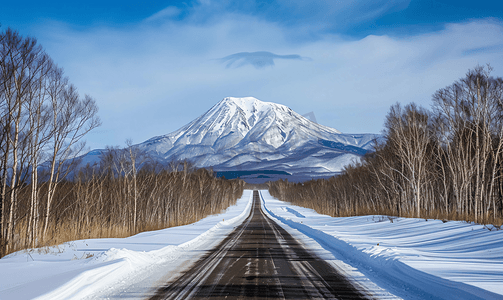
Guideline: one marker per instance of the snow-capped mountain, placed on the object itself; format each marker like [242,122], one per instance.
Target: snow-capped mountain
[248,134]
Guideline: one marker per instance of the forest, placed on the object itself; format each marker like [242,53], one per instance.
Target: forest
[444,162]
[47,197]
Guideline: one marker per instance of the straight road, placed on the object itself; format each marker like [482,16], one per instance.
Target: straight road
[260,260]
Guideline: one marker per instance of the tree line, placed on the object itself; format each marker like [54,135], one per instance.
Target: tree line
[444,162]
[124,196]
[46,197]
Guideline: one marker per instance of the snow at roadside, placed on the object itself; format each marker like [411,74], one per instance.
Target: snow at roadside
[101,267]
[410,258]
[397,258]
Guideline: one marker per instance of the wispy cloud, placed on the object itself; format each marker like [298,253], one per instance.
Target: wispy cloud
[304,16]
[326,14]
[487,49]
[259,60]
[167,13]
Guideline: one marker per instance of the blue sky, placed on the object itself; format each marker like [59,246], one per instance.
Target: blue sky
[154,66]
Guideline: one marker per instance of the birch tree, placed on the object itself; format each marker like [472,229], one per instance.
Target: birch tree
[407,130]
[33,91]
[72,118]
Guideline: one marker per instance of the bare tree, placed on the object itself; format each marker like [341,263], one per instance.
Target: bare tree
[23,65]
[72,118]
[407,130]
[471,117]
[32,90]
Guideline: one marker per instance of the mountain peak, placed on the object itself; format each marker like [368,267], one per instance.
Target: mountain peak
[248,105]
[242,100]
[253,108]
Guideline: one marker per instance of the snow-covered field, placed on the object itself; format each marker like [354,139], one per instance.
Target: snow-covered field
[409,258]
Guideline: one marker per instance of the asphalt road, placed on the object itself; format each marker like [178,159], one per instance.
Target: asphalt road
[259,260]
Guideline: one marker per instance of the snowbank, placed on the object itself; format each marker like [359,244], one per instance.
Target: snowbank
[410,258]
[86,268]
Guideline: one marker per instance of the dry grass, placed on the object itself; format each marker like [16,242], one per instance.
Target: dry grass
[67,232]
[102,207]
[314,195]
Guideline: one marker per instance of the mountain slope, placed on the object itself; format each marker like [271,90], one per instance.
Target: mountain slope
[248,134]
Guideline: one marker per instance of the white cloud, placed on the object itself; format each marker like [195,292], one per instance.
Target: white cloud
[154,78]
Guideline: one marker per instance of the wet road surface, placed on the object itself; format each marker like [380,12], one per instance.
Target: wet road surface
[259,260]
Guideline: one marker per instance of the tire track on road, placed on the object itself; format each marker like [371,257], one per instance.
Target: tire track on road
[260,260]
